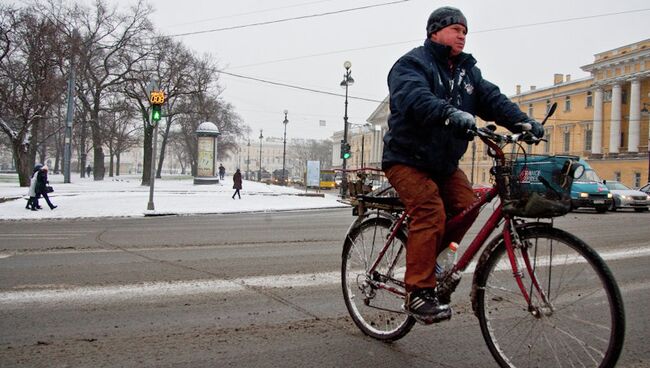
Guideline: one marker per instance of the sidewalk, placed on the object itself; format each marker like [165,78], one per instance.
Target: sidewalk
[123,196]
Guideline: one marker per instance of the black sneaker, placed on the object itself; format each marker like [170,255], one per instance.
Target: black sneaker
[423,304]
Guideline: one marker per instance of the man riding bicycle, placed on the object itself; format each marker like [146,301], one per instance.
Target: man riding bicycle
[435,91]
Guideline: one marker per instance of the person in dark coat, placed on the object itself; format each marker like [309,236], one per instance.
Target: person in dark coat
[32,202]
[435,92]
[42,184]
[222,172]
[236,180]
[89,169]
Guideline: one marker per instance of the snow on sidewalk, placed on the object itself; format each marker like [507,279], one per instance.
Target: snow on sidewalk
[124,197]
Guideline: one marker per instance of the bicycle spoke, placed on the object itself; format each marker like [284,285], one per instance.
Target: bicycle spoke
[574,330]
[374,299]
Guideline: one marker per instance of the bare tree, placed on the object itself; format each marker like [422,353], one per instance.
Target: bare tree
[113,45]
[29,82]
[171,66]
[122,132]
[310,150]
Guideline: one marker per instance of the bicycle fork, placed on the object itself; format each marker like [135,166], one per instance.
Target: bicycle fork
[513,243]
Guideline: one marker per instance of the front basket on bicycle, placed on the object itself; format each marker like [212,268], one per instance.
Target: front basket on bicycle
[539,185]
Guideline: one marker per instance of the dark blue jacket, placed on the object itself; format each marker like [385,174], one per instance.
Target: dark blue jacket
[423,92]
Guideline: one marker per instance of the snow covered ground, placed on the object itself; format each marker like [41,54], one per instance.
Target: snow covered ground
[123,196]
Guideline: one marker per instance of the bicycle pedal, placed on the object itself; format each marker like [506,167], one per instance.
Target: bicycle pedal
[428,320]
[424,320]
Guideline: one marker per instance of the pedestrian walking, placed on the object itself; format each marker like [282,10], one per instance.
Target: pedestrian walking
[32,202]
[89,169]
[42,187]
[236,184]
[222,172]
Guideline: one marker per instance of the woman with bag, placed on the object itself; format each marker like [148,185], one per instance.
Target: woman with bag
[236,179]
[42,186]
[32,202]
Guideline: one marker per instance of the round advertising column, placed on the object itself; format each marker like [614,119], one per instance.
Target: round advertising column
[206,164]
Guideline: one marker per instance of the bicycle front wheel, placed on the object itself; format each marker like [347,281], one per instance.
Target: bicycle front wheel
[374,300]
[580,323]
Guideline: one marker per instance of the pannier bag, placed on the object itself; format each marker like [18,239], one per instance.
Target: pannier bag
[540,186]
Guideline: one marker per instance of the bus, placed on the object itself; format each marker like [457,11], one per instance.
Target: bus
[327,179]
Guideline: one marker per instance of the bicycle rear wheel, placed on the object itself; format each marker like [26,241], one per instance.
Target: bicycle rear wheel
[376,310]
[583,323]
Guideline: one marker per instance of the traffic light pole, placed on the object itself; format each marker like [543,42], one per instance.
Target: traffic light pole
[157,98]
[344,179]
[152,178]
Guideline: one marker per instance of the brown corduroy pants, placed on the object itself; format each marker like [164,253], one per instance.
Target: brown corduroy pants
[428,201]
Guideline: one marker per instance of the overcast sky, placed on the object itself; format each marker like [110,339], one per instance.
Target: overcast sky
[514,41]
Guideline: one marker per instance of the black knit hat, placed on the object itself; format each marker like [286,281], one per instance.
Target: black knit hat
[443,17]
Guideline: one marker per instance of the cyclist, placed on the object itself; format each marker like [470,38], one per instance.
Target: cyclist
[435,91]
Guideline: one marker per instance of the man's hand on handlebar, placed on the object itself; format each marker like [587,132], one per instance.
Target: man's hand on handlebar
[463,123]
[531,129]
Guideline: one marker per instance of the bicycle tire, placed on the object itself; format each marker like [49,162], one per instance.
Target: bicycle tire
[584,327]
[377,312]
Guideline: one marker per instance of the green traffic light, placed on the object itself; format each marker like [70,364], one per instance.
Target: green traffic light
[156,113]
[347,155]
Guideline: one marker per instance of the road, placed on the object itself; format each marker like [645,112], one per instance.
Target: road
[246,290]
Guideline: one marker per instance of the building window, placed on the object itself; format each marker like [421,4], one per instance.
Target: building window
[588,134]
[617,175]
[637,179]
[567,140]
[590,99]
[530,110]
[607,96]
[547,143]
[483,180]
[567,103]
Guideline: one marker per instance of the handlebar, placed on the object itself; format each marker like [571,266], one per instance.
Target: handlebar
[490,134]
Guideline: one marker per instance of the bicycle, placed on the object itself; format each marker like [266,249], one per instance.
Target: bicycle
[542,296]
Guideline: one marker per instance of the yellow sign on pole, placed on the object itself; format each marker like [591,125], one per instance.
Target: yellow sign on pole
[157,97]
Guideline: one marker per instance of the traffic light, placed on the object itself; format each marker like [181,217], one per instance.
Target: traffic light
[157,98]
[345,150]
[156,113]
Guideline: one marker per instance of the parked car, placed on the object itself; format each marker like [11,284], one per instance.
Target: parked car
[589,191]
[645,189]
[625,197]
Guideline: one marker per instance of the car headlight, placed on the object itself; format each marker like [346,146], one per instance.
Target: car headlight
[584,195]
[609,195]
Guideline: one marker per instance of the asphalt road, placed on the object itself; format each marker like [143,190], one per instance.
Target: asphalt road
[246,290]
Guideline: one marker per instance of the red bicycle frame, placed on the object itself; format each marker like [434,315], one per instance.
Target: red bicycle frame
[488,228]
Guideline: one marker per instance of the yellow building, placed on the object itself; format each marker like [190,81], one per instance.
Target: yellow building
[602,118]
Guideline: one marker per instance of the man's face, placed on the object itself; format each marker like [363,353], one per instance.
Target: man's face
[453,35]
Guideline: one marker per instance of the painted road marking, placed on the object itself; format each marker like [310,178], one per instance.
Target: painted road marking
[147,291]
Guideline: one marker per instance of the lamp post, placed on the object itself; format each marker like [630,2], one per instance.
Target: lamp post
[284,150]
[248,158]
[259,175]
[345,83]
[644,111]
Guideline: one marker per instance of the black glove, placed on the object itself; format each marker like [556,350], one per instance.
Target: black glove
[462,122]
[530,125]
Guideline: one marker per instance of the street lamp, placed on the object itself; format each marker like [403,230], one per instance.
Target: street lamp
[284,150]
[259,175]
[248,159]
[345,83]
[644,111]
